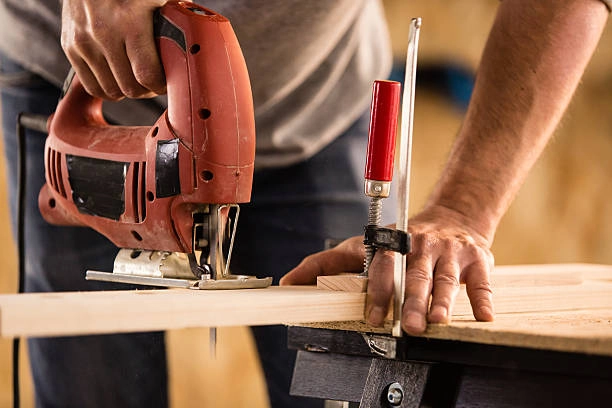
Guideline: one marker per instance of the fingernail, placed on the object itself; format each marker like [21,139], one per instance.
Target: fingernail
[485,313]
[415,323]
[376,315]
[438,314]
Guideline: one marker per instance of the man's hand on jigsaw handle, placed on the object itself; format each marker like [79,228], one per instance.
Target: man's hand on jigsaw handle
[444,254]
[111,46]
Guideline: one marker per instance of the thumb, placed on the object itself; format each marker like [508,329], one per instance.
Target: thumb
[346,257]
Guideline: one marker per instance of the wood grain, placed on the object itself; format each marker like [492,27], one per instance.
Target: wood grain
[562,307]
[530,275]
[559,307]
[343,283]
[77,313]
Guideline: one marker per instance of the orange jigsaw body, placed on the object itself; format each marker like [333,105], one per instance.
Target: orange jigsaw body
[139,186]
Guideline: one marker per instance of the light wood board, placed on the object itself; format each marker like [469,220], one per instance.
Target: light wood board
[343,283]
[76,313]
[559,307]
[568,312]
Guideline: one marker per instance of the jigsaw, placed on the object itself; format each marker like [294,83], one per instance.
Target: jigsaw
[167,195]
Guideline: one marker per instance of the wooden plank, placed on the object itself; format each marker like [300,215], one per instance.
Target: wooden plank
[528,275]
[565,307]
[585,271]
[517,299]
[571,312]
[77,313]
[343,283]
[542,275]
[536,306]
[580,331]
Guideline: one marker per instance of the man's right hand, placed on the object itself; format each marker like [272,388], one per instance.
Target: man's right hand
[111,46]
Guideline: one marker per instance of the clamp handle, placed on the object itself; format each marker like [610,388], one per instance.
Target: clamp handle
[383,129]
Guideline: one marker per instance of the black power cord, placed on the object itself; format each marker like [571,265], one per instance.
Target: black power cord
[38,123]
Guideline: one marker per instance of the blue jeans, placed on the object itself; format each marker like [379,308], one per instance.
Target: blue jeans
[293,211]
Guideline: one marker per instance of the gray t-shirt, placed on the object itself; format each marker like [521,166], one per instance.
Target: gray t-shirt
[311,63]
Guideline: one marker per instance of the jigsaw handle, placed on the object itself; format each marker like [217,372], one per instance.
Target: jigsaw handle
[206,86]
[131,182]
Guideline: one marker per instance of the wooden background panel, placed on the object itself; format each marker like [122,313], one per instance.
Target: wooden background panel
[232,379]
[8,284]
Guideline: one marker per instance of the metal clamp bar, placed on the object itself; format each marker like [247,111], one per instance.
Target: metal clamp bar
[405,159]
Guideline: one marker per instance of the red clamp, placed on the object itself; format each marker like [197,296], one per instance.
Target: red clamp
[383,128]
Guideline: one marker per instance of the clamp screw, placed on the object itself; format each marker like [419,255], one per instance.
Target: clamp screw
[395,394]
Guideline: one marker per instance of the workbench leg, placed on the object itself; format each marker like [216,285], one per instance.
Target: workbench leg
[393,383]
[330,376]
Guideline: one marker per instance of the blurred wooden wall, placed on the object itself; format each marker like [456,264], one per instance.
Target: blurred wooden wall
[562,214]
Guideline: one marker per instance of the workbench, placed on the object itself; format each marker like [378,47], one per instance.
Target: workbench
[553,348]
[550,343]
[363,368]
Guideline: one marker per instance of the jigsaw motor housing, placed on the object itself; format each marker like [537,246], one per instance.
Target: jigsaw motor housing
[140,186]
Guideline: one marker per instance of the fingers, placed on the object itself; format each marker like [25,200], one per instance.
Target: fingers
[346,257]
[93,71]
[418,285]
[380,287]
[433,274]
[111,46]
[145,65]
[443,256]
[307,271]
[479,291]
[445,289]
[440,260]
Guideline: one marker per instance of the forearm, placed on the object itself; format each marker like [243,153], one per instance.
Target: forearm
[531,65]
[533,61]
